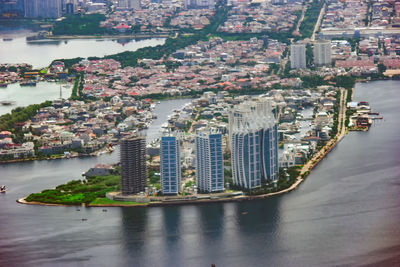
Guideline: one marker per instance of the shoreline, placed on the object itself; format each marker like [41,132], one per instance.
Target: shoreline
[305,171]
[126,36]
[72,156]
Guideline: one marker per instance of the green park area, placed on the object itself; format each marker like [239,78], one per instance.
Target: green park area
[77,192]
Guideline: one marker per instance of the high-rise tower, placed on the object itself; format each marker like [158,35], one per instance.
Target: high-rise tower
[42,8]
[133,165]
[322,52]
[254,143]
[170,163]
[298,56]
[209,162]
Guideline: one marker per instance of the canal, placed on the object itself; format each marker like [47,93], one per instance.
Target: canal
[41,54]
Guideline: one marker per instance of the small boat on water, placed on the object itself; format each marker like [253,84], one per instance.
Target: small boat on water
[3,85]
[6,103]
[7,39]
[27,83]
[3,189]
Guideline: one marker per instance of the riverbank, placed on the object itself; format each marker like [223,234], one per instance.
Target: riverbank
[71,155]
[125,36]
[302,176]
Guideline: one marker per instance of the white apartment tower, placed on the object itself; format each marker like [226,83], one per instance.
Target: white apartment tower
[42,8]
[129,4]
[253,137]
[209,162]
[298,56]
[199,4]
[322,52]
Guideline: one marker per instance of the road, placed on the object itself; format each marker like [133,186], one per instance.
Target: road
[321,14]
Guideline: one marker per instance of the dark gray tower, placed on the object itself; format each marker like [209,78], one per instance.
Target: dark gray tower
[133,165]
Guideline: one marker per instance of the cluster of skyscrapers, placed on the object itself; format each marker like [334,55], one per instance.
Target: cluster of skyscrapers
[321,52]
[253,140]
[209,164]
[36,8]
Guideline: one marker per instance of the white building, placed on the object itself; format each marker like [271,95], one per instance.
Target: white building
[298,56]
[209,162]
[322,52]
[199,4]
[254,143]
[129,4]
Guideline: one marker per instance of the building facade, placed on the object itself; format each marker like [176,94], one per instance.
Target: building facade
[129,4]
[133,165]
[209,162]
[253,137]
[12,9]
[322,53]
[199,4]
[170,165]
[42,8]
[298,56]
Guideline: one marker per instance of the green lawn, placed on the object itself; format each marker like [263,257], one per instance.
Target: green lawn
[106,201]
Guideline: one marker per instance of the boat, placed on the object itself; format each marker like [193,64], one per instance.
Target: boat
[7,39]
[27,83]
[6,103]
[3,189]
[3,85]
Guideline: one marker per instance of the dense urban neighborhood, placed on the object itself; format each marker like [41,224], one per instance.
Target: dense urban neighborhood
[297,60]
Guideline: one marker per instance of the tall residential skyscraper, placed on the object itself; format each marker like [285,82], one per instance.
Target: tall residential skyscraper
[12,8]
[254,143]
[129,4]
[209,162]
[170,162]
[133,164]
[298,56]
[42,8]
[199,4]
[322,52]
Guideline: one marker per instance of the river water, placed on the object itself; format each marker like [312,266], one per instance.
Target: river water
[347,213]
[41,54]
[23,96]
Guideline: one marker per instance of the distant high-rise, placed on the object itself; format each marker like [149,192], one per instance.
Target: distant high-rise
[170,163]
[322,52]
[12,8]
[298,56]
[69,8]
[254,144]
[129,4]
[133,164]
[209,162]
[42,8]
[199,4]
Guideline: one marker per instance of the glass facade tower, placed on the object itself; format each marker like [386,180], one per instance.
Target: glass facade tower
[170,165]
[209,162]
